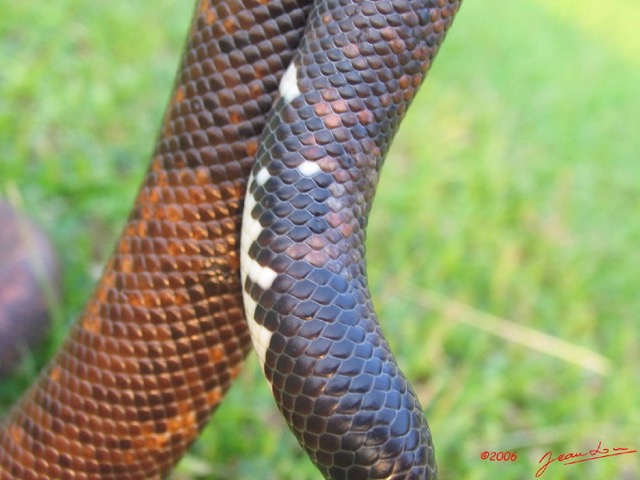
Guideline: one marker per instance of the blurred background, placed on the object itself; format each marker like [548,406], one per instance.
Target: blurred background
[503,245]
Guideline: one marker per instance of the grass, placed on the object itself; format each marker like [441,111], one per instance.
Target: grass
[503,242]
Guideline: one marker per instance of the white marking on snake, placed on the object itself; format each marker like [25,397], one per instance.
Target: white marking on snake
[251,227]
[249,204]
[263,276]
[308,169]
[262,176]
[289,84]
[247,224]
[260,336]
[249,268]
[253,231]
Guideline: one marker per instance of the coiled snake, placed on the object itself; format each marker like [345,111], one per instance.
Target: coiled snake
[296,103]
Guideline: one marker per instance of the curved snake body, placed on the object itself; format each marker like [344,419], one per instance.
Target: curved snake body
[165,333]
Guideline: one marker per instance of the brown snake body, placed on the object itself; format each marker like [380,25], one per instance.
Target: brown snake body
[164,334]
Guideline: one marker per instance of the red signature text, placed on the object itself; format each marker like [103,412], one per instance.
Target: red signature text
[570,458]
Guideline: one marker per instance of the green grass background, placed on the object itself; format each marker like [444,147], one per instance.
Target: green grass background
[503,246]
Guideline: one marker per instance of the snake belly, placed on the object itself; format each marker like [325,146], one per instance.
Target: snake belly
[164,333]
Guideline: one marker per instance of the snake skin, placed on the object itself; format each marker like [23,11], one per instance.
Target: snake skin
[331,371]
[165,333]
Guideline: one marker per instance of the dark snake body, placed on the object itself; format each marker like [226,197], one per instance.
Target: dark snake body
[165,333]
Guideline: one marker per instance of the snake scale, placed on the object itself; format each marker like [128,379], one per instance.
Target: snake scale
[293,104]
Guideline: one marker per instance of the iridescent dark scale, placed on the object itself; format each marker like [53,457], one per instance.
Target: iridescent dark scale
[331,370]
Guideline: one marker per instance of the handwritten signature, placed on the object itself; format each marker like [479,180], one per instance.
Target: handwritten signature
[570,458]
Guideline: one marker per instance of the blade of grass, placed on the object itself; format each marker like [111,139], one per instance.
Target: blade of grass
[454,311]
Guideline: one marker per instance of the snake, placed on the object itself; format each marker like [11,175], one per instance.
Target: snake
[248,229]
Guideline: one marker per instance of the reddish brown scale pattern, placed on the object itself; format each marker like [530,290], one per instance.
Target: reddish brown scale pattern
[164,334]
